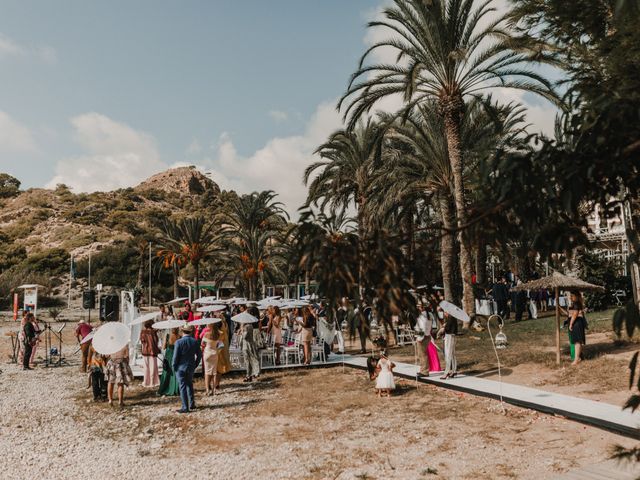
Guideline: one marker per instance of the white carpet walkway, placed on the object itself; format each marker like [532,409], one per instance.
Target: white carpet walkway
[602,415]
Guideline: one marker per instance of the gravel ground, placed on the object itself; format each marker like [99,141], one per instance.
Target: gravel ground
[304,424]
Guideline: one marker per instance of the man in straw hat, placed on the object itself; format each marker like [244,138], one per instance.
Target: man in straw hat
[82,330]
[186,357]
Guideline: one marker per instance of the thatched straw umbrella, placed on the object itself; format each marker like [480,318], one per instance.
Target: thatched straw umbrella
[557,281]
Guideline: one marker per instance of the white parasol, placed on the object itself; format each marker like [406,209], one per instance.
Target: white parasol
[454,311]
[205,321]
[244,317]
[212,308]
[111,338]
[144,318]
[88,337]
[205,300]
[168,324]
[177,300]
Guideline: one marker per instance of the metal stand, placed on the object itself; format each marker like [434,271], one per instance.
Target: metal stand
[52,360]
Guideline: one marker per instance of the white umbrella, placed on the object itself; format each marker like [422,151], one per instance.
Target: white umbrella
[168,324]
[239,301]
[311,297]
[111,338]
[212,308]
[177,300]
[144,318]
[298,304]
[205,321]
[88,337]
[244,317]
[205,300]
[454,311]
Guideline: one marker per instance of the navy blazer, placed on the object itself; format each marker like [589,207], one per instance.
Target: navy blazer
[186,353]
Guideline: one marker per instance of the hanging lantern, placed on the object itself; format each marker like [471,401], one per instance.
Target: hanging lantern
[501,340]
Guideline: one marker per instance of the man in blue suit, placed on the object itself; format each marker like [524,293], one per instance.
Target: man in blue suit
[186,357]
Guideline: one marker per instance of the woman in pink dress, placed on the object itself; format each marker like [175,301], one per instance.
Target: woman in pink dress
[432,353]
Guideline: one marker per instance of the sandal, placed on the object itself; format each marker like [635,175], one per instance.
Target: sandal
[444,377]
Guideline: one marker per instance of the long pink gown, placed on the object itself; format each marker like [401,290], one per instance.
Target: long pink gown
[434,361]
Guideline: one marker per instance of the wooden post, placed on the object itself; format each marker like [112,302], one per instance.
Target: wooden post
[557,326]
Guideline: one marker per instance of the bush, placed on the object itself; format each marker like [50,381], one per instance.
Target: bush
[54,261]
[9,186]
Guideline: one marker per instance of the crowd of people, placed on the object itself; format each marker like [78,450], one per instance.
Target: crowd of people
[509,301]
[184,349]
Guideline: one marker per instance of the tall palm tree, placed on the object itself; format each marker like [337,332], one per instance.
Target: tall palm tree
[344,172]
[198,240]
[327,248]
[447,52]
[254,225]
[171,252]
[418,169]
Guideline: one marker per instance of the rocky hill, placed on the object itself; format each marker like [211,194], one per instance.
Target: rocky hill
[40,219]
[185,180]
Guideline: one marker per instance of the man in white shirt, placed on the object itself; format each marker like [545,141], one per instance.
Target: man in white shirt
[423,337]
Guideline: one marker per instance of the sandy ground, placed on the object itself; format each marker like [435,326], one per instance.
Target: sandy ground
[305,424]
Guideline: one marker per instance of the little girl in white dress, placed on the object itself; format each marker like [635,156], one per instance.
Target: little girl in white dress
[384,381]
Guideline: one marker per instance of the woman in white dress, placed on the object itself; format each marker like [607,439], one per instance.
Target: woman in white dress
[384,381]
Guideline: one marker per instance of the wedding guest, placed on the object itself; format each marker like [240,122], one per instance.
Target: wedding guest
[168,382]
[150,351]
[275,329]
[97,368]
[450,332]
[384,380]
[211,343]
[37,330]
[250,351]
[577,326]
[29,340]
[423,339]
[82,330]
[186,358]
[118,373]
[308,322]
[224,360]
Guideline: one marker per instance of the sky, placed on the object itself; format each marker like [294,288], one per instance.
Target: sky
[101,95]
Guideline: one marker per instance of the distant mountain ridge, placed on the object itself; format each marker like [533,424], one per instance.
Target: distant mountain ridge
[41,219]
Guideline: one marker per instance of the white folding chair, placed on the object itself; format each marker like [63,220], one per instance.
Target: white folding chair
[292,351]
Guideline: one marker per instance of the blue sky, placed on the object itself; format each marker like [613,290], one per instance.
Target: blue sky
[101,95]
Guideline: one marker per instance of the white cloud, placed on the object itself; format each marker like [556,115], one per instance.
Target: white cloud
[11,48]
[278,116]
[194,147]
[279,165]
[117,156]
[15,137]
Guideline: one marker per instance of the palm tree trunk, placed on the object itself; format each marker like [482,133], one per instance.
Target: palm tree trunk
[196,280]
[481,262]
[140,280]
[176,273]
[407,228]
[446,246]
[361,249]
[307,282]
[452,119]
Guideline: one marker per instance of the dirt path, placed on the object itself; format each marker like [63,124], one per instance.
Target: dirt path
[309,424]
